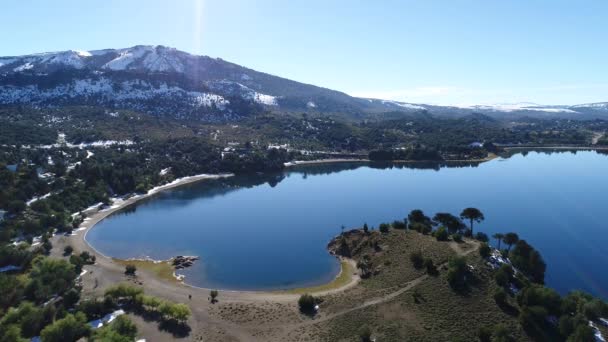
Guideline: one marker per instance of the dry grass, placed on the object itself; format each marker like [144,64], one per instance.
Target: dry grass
[436,313]
[160,269]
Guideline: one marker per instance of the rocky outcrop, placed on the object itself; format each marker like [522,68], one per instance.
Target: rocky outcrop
[180,262]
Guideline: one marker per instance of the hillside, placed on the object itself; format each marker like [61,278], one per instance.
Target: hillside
[170,83]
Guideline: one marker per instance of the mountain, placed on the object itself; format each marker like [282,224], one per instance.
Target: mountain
[163,81]
[167,82]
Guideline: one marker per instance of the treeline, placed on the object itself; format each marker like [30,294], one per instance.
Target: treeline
[81,178]
[42,297]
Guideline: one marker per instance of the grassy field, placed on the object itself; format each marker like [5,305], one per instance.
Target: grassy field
[430,311]
[161,269]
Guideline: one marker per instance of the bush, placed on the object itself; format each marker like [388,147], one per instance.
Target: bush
[484,250]
[69,328]
[213,296]
[384,227]
[365,334]
[417,259]
[483,237]
[441,234]
[430,266]
[130,269]
[306,303]
[500,296]
[457,272]
[457,238]
[399,224]
[504,275]
[484,334]
[68,250]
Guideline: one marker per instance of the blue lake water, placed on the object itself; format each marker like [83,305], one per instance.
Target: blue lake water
[271,231]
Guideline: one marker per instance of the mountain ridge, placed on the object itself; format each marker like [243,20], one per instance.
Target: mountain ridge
[162,80]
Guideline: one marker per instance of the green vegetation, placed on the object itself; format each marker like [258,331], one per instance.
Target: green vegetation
[130,269]
[307,303]
[464,299]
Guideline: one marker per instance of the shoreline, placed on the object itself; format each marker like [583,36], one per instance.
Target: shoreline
[78,238]
[91,221]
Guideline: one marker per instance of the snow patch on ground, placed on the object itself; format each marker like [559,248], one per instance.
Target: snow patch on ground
[23,67]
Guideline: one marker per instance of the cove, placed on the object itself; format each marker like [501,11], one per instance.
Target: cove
[268,232]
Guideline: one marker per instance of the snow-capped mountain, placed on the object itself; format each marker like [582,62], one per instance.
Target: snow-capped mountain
[167,82]
[161,81]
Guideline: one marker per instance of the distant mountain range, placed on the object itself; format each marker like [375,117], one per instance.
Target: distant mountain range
[167,82]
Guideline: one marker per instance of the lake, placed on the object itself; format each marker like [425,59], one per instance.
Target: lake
[270,231]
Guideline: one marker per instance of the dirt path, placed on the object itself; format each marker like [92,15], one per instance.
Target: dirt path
[596,137]
[385,298]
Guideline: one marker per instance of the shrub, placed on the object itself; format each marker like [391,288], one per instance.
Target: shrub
[483,237]
[457,272]
[365,334]
[441,234]
[384,227]
[417,259]
[430,266]
[457,238]
[484,334]
[68,250]
[484,250]
[500,296]
[504,275]
[213,296]
[399,224]
[306,303]
[130,269]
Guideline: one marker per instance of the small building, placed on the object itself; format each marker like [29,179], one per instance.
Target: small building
[476,144]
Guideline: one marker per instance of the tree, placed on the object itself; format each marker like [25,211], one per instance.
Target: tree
[69,328]
[49,277]
[130,269]
[213,295]
[179,312]
[451,222]
[510,239]
[473,215]
[365,228]
[484,250]
[417,216]
[12,333]
[125,327]
[306,303]
[498,237]
[68,250]
[529,261]
[582,333]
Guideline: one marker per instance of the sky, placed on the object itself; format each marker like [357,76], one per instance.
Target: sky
[428,51]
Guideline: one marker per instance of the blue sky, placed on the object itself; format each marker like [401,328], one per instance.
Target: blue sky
[426,51]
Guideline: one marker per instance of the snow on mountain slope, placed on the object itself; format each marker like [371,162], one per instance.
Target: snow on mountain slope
[106,91]
[126,57]
[237,89]
[511,107]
